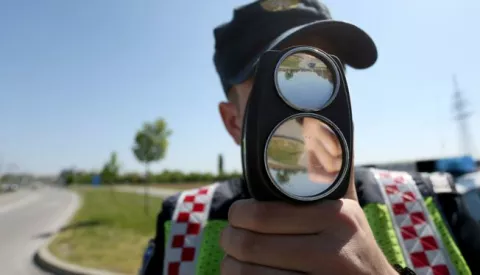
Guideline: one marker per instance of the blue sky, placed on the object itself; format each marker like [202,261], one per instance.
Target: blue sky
[78,78]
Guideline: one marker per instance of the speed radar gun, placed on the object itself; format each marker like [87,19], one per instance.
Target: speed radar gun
[298,130]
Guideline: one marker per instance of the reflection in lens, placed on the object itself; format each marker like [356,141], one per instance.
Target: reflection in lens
[304,157]
[305,81]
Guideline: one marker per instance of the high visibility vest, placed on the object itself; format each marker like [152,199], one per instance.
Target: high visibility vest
[422,246]
[186,231]
[408,228]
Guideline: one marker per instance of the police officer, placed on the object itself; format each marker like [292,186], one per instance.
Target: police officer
[218,229]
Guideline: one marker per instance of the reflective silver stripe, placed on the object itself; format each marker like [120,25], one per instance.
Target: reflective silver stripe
[186,232]
[422,246]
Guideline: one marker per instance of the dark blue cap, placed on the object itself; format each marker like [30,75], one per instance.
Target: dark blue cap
[270,24]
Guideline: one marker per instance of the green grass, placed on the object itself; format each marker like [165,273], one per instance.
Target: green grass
[180,186]
[110,231]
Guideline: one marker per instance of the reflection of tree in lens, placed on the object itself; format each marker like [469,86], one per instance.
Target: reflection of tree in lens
[325,74]
[288,75]
[283,175]
[302,62]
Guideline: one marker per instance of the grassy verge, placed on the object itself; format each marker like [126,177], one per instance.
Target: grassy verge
[109,231]
[173,186]
[180,186]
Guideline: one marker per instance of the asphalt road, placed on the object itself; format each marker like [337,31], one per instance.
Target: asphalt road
[27,219]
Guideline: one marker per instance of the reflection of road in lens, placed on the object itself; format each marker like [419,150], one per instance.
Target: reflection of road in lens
[297,184]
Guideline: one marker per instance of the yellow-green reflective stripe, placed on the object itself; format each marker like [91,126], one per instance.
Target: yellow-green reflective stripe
[382,227]
[210,255]
[453,251]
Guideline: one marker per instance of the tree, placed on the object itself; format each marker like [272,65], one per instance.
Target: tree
[220,165]
[288,75]
[151,142]
[111,169]
[150,145]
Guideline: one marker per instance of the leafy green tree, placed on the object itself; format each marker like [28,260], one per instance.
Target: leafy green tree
[288,75]
[151,142]
[110,171]
[283,175]
[150,145]
[220,165]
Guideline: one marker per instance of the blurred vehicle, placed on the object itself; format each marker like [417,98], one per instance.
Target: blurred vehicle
[466,220]
[9,187]
[14,187]
[468,187]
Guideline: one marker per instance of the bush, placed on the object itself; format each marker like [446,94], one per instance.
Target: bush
[166,176]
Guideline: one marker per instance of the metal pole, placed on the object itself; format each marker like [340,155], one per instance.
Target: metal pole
[461,116]
[145,191]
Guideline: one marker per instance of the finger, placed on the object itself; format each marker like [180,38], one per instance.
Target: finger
[313,136]
[334,161]
[316,171]
[330,163]
[274,251]
[284,218]
[329,140]
[231,266]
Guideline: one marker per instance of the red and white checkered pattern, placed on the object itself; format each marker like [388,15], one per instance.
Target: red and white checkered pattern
[416,232]
[188,220]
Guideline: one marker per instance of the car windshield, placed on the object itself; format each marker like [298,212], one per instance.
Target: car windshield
[472,202]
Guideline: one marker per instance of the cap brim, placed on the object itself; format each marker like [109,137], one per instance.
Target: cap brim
[351,44]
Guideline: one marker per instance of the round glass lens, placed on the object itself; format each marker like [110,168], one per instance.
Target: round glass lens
[304,157]
[304,81]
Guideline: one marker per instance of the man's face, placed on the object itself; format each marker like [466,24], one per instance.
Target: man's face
[232,112]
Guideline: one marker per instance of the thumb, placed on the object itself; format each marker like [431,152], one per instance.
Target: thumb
[352,191]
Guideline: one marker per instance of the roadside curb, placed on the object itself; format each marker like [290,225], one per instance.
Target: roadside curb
[44,259]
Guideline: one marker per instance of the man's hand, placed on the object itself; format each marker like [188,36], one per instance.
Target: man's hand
[323,151]
[331,237]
